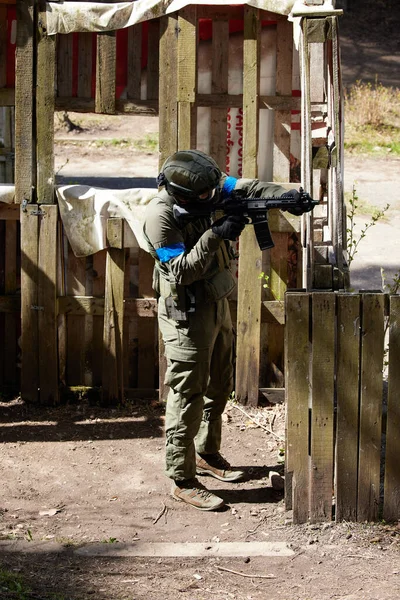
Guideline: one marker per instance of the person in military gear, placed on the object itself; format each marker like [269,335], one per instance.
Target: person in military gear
[192,279]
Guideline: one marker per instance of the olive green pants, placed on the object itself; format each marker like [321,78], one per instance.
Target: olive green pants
[200,376]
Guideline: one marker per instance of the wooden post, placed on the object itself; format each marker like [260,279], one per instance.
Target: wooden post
[24,85]
[347,383]
[391,504]
[113,379]
[47,315]
[10,287]
[45,92]
[187,71]
[322,386]
[134,61]
[249,288]
[219,85]
[153,61]
[105,73]
[168,116]
[370,407]
[85,51]
[146,331]
[29,305]
[168,107]
[24,68]
[297,367]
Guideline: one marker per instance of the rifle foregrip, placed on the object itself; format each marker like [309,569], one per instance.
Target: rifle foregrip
[263,235]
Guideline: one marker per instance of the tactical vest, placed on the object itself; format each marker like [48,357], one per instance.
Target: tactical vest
[218,284]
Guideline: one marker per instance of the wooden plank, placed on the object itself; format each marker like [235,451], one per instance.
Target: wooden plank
[372,340]
[297,368]
[105,73]
[47,274]
[128,355]
[273,311]
[24,102]
[45,92]
[76,283]
[88,351]
[134,61]
[220,12]
[10,287]
[219,85]
[8,138]
[236,101]
[282,126]
[64,65]
[94,306]
[2,288]
[10,303]
[7,97]
[347,383]
[306,156]
[146,331]
[61,290]
[122,106]
[168,108]
[318,70]
[249,290]
[277,284]
[85,53]
[29,305]
[323,277]
[3,46]
[391,503]
[9,212]
[99,276]
[153,58]
[322,417]
[113,379]
[187,67]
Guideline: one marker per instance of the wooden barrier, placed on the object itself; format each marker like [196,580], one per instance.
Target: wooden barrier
[342,438]
[224,79]
[98,312]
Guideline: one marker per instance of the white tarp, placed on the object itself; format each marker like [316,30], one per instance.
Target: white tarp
[84,212]
[7,193]
[68,17]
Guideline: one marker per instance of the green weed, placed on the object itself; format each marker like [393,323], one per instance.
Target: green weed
[12,585]
[353,239]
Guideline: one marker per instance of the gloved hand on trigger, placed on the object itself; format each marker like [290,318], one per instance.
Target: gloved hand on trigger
[229,227]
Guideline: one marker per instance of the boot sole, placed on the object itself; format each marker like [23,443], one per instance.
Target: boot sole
[198,507]
[238,477]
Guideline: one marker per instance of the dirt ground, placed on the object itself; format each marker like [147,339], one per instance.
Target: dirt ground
[82,478]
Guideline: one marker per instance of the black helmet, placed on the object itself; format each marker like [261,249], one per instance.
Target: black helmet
[190,174]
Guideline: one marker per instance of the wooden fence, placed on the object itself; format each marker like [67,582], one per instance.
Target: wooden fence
[92,319]
[343,416]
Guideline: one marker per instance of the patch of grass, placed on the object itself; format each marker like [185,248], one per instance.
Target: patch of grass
[149,143]
[13,586]
[372,119]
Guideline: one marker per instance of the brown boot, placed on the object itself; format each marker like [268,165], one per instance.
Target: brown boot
[194,493]
[216,466]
